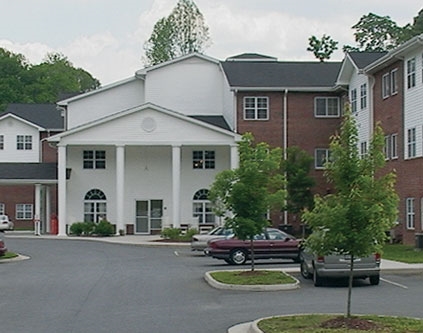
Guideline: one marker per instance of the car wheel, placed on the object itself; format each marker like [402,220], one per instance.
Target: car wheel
[238,257]
[317,279]
[304,272]
[374,280]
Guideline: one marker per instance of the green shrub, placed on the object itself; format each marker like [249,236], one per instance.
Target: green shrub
[171,233]
[103,228]
[77,228]
[88,228]
[188,235]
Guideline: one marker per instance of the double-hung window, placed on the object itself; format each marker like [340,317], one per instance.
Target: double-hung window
[411,142]
[203,159]
[1,142]
[256,108]
[94,159]
[24,212]
[391,146]
[2,209]
[23,142]
[354,100]
[363,96]
[386,85]
[321,156]
[410,213]
[394,81]
[411,73]
[363,149]
[326,107]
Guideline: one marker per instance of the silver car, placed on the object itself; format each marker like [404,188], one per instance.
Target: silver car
[199,241]
[5,223]
[338,266]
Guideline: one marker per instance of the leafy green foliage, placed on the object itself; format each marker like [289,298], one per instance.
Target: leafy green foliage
[322,48]
[21,82]
[244,195]
[261,277]
[175,234]
[355,218]
[103,228]
[183,32]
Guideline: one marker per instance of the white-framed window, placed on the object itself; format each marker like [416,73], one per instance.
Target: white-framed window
[256,108]
[394,146]
[363,96]
[386,85]
[24,142]
[411,73]
[411,215]
[391,146]
[24,212]
[94,159]
[411,142]
[2,208]
[203,159]
[354,100]
[95,206]
[321,156]
[363,149]
[1,142]
[326,107]
[202,207]
[394,81]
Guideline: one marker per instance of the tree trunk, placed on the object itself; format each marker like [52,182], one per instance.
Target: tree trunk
[350,283]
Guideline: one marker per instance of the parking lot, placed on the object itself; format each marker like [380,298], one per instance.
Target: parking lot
[82,286]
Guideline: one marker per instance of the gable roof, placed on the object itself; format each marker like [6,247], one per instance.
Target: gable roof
[275,75]
[363,59]
[251,56]
[218,121]
[41,115]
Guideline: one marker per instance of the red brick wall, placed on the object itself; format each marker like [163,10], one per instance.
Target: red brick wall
[49,153]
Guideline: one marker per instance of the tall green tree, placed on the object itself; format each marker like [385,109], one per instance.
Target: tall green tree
[299,183]
[244,195]
[183,32]
[322,48]
[354,219]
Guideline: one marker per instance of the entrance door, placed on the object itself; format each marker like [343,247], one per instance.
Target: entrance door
[148,216]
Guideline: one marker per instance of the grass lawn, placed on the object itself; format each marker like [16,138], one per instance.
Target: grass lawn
[335,323]
[9,255]
[403,253]
[257,277]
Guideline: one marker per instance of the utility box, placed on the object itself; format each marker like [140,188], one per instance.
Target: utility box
[419,241]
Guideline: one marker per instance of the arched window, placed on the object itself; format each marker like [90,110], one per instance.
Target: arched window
[95,207]
[202,207]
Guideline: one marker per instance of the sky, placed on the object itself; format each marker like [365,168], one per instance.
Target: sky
[106,38]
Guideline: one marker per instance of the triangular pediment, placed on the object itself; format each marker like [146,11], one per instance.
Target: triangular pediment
[147,125]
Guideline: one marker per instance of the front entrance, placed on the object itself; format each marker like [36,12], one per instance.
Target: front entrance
[148,216]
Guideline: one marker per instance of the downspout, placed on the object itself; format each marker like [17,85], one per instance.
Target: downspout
[372,82]
[285,142]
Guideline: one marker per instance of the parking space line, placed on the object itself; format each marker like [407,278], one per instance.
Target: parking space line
[394,283]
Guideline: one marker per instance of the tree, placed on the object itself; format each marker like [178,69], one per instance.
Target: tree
[183,32]
[244,195]
[354,219]
[322,48]
[296,167]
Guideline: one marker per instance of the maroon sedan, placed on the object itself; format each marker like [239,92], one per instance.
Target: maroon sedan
[272,243]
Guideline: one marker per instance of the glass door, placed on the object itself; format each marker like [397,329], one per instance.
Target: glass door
[141,217]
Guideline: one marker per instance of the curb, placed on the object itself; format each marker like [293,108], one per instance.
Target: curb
[20,257]
[273,287]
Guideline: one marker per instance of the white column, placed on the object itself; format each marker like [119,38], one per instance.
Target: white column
[61,170]
[48,208]
[37,212]
[120,187]
[176,185]
[234,157]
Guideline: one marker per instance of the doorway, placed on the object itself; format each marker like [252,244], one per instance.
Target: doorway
[148,216]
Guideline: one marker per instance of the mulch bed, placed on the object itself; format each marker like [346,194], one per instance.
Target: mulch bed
[351,323]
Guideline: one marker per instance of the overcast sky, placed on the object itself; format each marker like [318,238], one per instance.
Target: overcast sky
[106,37]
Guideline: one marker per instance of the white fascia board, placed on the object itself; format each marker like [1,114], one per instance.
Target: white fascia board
[11,115]
[282,89]
[345,72]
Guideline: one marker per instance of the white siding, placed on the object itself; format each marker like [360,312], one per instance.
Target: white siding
[362,115]
[10,128]
[193,86]
[103,103]
[413,103]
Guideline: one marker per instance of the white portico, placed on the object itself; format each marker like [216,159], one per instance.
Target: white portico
[143,168]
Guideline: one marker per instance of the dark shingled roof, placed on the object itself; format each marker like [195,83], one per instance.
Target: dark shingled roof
[251,56]
[362,59]
[28,171]
[218,121]
[43,115]
[273,74]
